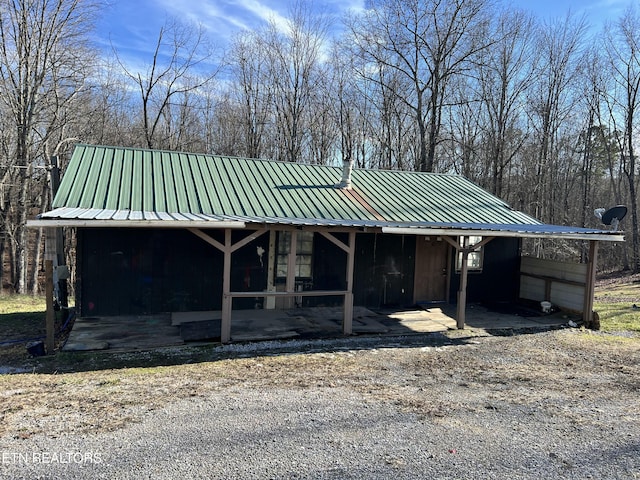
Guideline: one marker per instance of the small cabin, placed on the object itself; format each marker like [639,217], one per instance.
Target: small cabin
[161,231]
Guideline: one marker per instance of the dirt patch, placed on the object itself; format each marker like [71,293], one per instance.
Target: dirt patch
[582,377]
[607,279]
[570,373]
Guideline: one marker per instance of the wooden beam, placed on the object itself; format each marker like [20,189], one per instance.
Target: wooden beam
[248,239]
[211,241]
[304,293]
[225,323]
[50,315]
[347,319]
[471,248]
[270,302]
[589,291]
[335,241]
[462,291]
[454,243]
[290,285]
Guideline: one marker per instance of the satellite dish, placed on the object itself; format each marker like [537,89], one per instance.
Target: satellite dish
[614,216]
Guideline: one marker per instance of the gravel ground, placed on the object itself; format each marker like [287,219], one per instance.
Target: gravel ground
[553,405]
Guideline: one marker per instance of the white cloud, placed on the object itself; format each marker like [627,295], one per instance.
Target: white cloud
[223,17]
[263,12]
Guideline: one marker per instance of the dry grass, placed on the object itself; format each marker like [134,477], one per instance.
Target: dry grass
[554,368]
[562,372]
[21,316]
[617,301]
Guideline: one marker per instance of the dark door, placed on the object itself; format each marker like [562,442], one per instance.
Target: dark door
[431,270]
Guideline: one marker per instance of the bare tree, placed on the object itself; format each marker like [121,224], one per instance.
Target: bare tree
[623,49]
[294,56]
[180,64]
[249,71]
[505,72]
[427,43]
[552,101]
[41,69]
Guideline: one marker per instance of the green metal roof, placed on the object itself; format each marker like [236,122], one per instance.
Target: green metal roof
[112,179]
[125,187]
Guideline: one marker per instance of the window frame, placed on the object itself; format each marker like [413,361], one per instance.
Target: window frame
[475,258]
[304,256]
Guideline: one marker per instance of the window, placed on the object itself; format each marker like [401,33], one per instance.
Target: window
[475,258]
[304,255]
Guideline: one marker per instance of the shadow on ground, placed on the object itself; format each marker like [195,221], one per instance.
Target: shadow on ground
[84,361]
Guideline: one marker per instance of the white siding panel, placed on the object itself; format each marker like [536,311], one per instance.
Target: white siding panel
[567,296]
[574,272]
[531,288]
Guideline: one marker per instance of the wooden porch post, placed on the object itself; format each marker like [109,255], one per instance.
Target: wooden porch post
[589,291]
[465,249]
[291,267]
[50,315]
[225,324]
[270,302]
[347,320]
[462,291]
[227,249]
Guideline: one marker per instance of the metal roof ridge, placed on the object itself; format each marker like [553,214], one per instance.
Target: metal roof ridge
[268,160]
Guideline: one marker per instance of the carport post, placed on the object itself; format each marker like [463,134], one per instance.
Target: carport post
[465,249]
[462,292]
[50,315]
[347,320]
[589,291]
[225,323]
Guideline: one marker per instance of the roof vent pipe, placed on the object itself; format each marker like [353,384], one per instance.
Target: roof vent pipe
[347,167]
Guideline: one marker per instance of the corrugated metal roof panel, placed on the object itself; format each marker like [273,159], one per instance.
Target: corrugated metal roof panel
[413,227]
[146,185]
[122,218]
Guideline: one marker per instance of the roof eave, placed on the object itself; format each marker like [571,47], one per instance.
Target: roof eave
[600,236]
[80,223]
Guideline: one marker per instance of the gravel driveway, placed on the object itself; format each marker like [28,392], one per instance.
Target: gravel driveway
[552,405]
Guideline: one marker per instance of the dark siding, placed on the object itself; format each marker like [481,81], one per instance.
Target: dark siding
[384,270]
[329,270]
[498,281]
[138,271]
[249,269]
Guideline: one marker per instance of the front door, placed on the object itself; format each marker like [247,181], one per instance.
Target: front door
[432,257]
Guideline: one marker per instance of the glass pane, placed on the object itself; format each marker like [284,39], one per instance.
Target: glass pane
[281,267]
[304,254]
[474,260]
[303,260]
[284,240]
[304,271]
[305,247]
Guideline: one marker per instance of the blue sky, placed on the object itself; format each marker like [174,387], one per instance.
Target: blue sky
[133,25]
[596,11]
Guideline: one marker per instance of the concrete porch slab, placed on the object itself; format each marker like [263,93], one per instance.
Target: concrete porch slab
[140,332]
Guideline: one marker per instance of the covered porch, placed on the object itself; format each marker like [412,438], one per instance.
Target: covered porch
[160,330]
